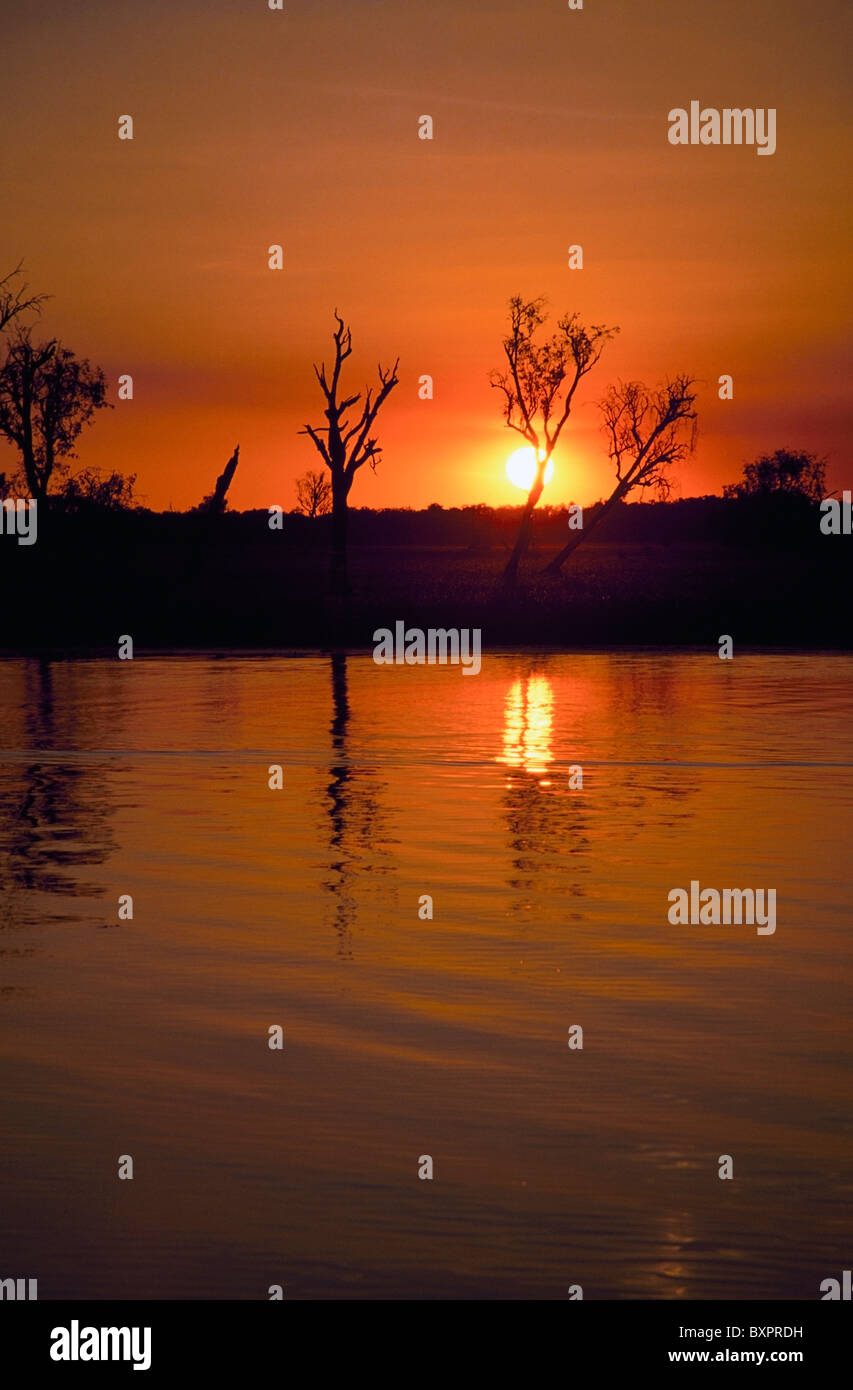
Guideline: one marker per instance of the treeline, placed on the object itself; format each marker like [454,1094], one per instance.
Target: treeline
[783,520]
[653,573]
[780,519]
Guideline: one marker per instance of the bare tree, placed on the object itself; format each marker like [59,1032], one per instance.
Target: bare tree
[647,432]
[539,388]
[14,301]
[47,395]
[346,446]
[313,494]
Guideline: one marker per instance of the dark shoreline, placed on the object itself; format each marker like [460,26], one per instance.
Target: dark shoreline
[673,575]
[305,653]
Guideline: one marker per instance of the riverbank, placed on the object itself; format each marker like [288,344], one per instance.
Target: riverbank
[167,594]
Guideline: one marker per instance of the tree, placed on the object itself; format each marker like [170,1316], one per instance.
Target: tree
[539,388]
[346,447]
[47,395]
[89,490]
[14,302]
[795,474]
[647,432]
[216,503]
[313,494]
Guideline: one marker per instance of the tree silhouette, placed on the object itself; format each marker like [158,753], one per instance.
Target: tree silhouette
[646,436]
[313,494]
[216,503]
[539,388]
[346,447]
[797,474]
[47,395]
[90,490]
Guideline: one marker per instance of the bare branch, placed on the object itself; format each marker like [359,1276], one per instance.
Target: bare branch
[320,444]
[15,302]
[643,428]
[647,431]
[365,449]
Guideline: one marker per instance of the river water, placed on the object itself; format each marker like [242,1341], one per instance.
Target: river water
[407,1035]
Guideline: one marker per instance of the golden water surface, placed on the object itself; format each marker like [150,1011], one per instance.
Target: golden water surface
[406,1035]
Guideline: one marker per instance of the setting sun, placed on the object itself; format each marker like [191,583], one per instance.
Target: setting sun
[521,467]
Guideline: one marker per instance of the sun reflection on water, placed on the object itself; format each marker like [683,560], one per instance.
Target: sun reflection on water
[528,721]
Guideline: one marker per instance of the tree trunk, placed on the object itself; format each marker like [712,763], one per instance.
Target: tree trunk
[519,550]
[572,545]
[31,474]
[27,448]
[339,574]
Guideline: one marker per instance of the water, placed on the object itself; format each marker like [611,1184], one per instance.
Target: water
[405,1036]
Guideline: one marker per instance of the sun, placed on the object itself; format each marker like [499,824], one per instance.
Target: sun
[521,467]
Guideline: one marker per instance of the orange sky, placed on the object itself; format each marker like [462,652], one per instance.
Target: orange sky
[254,127]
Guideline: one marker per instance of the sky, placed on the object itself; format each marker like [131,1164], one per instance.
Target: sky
[255,127]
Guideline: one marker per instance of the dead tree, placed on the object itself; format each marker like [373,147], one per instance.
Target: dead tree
[346,446]
[647,432]
[539,388]
[217,502]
